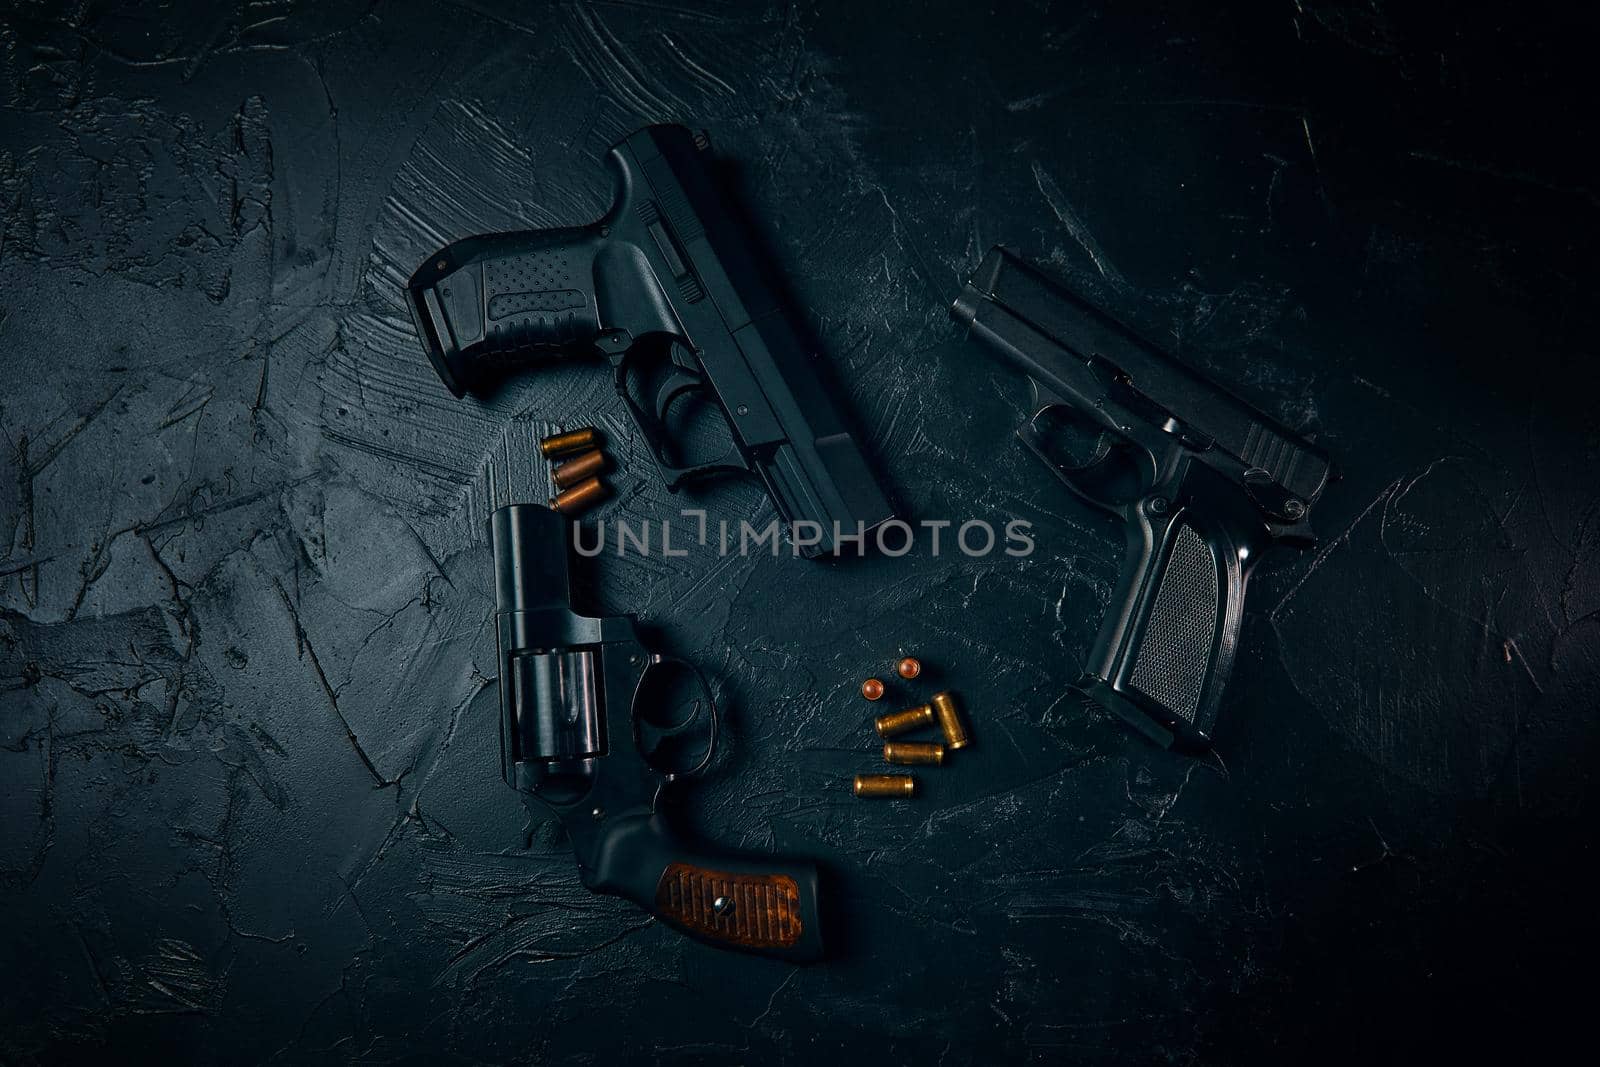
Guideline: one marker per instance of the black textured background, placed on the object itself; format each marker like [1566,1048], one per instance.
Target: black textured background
[247,749]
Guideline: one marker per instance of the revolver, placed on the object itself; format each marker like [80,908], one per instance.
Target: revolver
[665,287]
[584,707]
[1202,482]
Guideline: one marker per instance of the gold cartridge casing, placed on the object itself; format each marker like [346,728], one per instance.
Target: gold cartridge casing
[564,444]
[584,465]
[898,722]
[913,752]
[885,785]
[579,498]
[948,712]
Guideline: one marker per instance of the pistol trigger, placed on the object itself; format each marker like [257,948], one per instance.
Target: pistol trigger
[679,383]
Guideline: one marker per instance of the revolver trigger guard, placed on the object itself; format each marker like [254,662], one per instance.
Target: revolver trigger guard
[704,702]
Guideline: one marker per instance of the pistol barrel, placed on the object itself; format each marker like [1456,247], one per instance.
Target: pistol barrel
[1054,335]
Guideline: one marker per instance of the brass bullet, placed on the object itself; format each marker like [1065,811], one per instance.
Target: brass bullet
[909,667]
[580,498]
[913,752]
[885,785]
[584,465]
[872,689]
[948,713]
[564,444]
[898,722]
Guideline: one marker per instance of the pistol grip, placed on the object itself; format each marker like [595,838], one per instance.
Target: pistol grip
[761,904]
[488,305]
[1167,645]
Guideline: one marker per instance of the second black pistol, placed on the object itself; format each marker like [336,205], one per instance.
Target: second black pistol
[1203,482]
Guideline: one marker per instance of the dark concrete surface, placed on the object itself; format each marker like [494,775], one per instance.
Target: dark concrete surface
[248,767]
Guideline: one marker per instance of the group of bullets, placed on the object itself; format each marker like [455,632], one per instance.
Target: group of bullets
[941,709]
[577,476]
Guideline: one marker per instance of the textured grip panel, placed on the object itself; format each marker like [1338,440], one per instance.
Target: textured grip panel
[539,300]
[1176,647]
[544,271]
[752,910]
[520,303]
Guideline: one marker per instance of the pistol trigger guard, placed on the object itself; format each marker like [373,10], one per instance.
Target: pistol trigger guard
[675,477]
[1297,534]
[1109,478]
[705,703]
[652,425]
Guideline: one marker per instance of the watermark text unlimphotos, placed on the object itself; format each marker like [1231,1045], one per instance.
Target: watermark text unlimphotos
[896,537]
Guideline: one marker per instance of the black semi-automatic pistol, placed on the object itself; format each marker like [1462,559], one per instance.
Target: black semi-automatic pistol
[1203,482]
[667,287]
[585,710]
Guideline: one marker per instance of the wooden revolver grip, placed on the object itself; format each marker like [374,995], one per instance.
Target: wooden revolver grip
[762,904]
[756,911]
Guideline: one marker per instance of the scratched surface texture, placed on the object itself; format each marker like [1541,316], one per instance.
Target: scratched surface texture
[247,750]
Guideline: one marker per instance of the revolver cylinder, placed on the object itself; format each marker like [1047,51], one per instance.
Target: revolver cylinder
[555,702]
[551,712]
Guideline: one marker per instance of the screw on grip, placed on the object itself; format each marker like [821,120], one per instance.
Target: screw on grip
[758,911]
